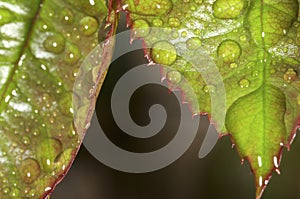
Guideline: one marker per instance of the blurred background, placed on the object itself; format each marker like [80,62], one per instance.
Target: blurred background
[219,175]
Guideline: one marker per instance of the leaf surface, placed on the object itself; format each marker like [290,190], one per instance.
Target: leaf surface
[42,48]
[255,47]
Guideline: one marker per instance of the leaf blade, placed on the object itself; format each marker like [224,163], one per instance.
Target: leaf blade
[43,44]
[254,44]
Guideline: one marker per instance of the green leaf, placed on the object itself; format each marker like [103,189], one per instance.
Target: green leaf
[254,45]
[42,47]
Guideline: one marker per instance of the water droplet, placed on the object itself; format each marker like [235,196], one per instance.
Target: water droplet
[229,51]
[233,65]
[54,43]
[193,43]
[261,56]
[5,16]
[275,161]
[47,189]
[67,16]
[157,22]
[244,83]
[6,190]
[64,158]
[65,104]
[163,53]
[141,28]
[260,181]
[255,73]
[250,65]
[193,8]
[174,77]
[88,25]
[29,170]
[44,27]
[47,151]
[229,9]
[72,133]
[184,34]
[209,89]
[31,193]
[153,8]
[73,54]
[266,182]
[290,75]
[26,140]
[243,38]
[285,49]
[36,132]
[197,31]
[175,35]
[15,193]
[87,125]
[259,159]
[174,22]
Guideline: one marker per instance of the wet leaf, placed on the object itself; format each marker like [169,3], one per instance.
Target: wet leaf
[42,48]
[254,45]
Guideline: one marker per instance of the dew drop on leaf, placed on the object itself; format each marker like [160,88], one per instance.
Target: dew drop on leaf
[65,155]
[72,134]
[31,193]
[244,83]
[193,43]
[233,65]
[15,193]
[229,51]
[184,34]
[67,16]
[73,54]
[43,27]
[47,151]
[26,140]
[174,22]
[88,25]
[255,73]
[174,77]
[209,89]
[290,75]
[4,180]
[243,38]
[175,35]
[54,43]
[250,65]
[29,170]
[157,22]
[197,31]
[229,9]
[140,28]
[193,8]
[163,53]
[6,190]
[35,132]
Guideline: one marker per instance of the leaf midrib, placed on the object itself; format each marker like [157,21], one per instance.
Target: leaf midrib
[264,77]
[22,51]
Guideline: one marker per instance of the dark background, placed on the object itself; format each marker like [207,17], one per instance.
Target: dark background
[218,175]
